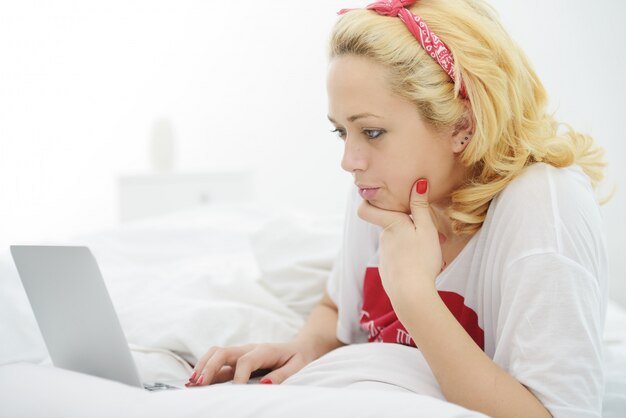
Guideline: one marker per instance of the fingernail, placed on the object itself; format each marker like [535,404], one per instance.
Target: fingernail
[199,382]
[421,186]
[193,376]
[266,381]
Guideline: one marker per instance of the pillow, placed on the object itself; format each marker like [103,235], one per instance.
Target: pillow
[295,255]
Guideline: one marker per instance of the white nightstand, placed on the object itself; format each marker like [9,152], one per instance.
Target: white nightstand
[147,195]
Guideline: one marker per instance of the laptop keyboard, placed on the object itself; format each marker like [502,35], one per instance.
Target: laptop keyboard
[158,386]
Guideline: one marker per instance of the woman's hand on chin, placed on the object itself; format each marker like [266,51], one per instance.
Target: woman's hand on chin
[410,252]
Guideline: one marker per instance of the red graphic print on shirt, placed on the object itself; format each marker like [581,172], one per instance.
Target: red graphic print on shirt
[380,321]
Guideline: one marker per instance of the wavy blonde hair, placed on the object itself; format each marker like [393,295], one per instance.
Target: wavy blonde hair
[508,101]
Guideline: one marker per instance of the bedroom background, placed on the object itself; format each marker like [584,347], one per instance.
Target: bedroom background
[89,89]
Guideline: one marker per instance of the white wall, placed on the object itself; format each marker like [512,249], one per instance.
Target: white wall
[243,85]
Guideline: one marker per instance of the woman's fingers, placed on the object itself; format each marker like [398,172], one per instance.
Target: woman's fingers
[294,364]
[225,374]
[219,364]
[386,219]
[420,212]
[212,362]
[262,357]
[197,370]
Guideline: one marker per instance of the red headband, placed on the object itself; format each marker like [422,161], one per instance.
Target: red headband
[429,41]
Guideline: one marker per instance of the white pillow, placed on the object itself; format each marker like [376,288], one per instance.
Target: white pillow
[295,255]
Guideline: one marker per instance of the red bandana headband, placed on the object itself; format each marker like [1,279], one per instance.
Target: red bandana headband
[429,41]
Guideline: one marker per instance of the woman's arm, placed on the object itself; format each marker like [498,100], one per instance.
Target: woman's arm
[467,376]
[320,331]
[410,260]
[238,363]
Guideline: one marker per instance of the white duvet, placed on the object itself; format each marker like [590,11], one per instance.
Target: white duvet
[225,275]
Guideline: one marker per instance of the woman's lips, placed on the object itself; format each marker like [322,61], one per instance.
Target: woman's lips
[368,193]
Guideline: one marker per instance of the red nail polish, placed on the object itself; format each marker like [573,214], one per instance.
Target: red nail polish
[266,381]
[193,376]
[199,382]
[421,186]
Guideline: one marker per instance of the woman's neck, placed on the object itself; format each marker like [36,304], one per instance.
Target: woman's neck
[442,221]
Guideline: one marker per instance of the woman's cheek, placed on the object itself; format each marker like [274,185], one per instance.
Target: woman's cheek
[400,204]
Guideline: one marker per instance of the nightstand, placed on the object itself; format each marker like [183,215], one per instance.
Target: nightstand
[148,195]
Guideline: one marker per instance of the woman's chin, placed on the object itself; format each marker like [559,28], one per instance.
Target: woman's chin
[389,206]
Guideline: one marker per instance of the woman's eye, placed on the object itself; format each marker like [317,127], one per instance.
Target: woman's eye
[369,133]
[340,133]
[373,133]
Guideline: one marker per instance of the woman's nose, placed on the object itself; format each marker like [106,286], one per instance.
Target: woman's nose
[354,157]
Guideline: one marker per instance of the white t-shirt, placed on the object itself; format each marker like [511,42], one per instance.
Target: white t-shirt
[532,282]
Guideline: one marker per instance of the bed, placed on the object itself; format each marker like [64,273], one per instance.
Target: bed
[226,274]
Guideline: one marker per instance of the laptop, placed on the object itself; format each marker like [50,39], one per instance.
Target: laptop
[75,314]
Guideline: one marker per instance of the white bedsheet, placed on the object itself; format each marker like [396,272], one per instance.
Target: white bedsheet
[224,275]
[41,391]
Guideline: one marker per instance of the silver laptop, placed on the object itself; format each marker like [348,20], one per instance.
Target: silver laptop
[75,313]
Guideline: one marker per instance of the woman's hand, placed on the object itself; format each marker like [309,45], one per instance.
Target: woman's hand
[238,363]
[410,253]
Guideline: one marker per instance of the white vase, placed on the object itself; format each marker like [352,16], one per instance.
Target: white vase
[162,146]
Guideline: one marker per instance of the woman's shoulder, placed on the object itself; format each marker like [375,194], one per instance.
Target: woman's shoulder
[542,185]
[544,207]
[546,218]
[540,175]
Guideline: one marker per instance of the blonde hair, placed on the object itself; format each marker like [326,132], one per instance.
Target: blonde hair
[508,101]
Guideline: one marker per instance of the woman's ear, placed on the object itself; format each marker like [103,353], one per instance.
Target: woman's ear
[463,130]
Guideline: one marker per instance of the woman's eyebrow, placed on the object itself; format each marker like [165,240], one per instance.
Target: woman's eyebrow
[357,116]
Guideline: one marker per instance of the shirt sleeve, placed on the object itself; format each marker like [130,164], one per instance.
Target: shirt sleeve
[549,334]
[345,284]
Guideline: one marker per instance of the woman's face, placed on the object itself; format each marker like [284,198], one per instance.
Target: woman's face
[387,145]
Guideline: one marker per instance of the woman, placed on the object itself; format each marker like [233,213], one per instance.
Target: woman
[475,234]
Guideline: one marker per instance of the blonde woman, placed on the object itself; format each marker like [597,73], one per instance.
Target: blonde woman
[473,233]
